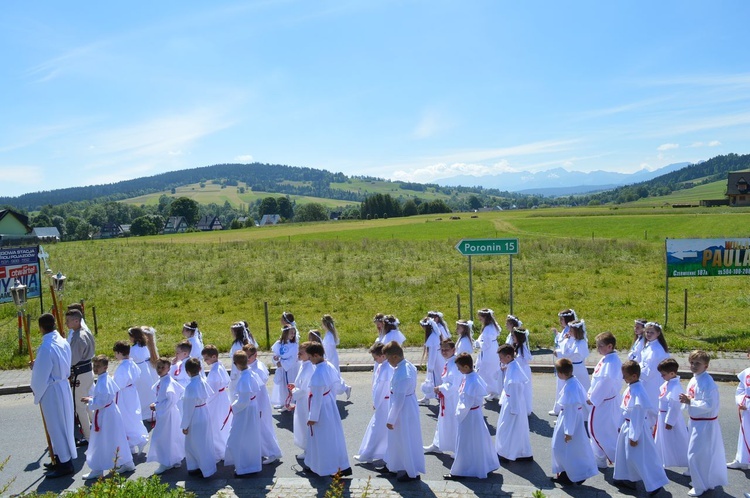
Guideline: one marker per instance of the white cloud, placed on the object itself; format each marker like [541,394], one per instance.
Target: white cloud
[664,147]
[444,170]
[21,174]
[712,143]
[245,158]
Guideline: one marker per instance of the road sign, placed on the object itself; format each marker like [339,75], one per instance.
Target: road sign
[483,247]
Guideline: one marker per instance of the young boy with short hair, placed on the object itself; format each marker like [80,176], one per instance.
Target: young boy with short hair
[671,432]
[742,399]
[512,441]
[108,436]
[127,399]
[604,417]
[167,441]
[444,439]
[636,450]
[706,457]
[375,440]
[300,394]
[200,455]
[270,448]
[244,443]
[218,403]
[474,453]
[404,454]
[572,455]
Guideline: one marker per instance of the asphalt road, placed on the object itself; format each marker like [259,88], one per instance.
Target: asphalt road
[22,438]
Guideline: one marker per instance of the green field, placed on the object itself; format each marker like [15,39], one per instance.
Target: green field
[608,264]
[370,187]
[713,190]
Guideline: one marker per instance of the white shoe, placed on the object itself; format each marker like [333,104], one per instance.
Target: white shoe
[94,474]
[693,492]
[686,472]
[737,465]
[271,459]
[177,465]
[552,413]
[161,469]
[361,460]
[302,455]
[423,402]
[348,392]
[135,450]
[431,449]
[128,467]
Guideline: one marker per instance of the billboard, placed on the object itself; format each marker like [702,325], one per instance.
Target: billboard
[708,257]
[20,263]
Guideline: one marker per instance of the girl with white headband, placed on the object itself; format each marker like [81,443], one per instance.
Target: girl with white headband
[518,337]
[330,341]
[192,333]
[392,333]
[465,331]
[240,336]
[638,340]
[287,363]
[434,365]
[488,364]
[576,349]
[565,317]
[437,316]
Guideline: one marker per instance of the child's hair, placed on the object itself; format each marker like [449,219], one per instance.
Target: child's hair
[101,361]
[149,334]
[661,339]
[464,360]
[315,348]
[47,322]
[564,366]
[288,334]
[163,362]
[448,343]
[393,349]
[607,338]
[193,366]
[303,346]
[426,324]
[74,313]
[287,317]
[379,317]
[463,328]
[240,359]
[631,367]
[136,333]
[377,349]
[519,335]
[250,349]
[314,336]
[642,322]
[578,329]
[191,326]
[210,350]
[241,333]
[514,321]
[184,346]
[327,321]
[699,355]
[76,306]
[390,323]
[487,316]
[121,347]
[669,365]
[568,315]
[506,350]
[437,316]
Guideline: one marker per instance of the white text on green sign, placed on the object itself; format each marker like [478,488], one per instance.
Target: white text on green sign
[483,247]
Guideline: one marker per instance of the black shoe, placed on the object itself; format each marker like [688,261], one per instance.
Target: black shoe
[383,470]
[578,483]
[195,472]
[346,472]
[82,442]
[562,478]
[60,470]
[51,465]
[244,476]
[624,484]
[451,477]
[656,491]
[406,478]
[525,459]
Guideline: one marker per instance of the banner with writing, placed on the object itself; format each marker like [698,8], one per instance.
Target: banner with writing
[708,257]
[20,263]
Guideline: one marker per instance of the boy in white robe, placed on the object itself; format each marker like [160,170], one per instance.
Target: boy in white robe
[177,370]
[270,445]
[375,441]
[300,394]
[326,447]
[475,455]
[244,443]
[447,393]
[603,399]
[108,446]
[404,454]
[49,382]
[512,441]
[167,441]
[706,457]
[218,403]
[742,399]
[127,399]
[572,456]
[560,337]
[636,457]
[200,455]
[671,432]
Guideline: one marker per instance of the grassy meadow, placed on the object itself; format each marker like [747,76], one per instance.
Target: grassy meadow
[607,264]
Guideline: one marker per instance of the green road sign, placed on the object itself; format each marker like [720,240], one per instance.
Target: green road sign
[483,247]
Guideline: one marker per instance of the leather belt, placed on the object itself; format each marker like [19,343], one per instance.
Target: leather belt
[81,367]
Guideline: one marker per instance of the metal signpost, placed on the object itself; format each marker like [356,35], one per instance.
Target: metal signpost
[488,247]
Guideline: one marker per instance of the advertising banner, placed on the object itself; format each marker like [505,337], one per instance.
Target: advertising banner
[707,257]
[20,263]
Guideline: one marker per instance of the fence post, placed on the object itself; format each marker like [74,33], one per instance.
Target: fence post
[268,333]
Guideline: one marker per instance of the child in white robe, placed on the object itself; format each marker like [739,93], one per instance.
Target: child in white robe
[639,340]
[392,333]
[512,441]
[285,357]
[636,451]
[447,392]
[241,335]
[572,457]
[475,455]
[654,351]
[375,441]
[218,403]
[167,441]
[671,432]
[404,454]
[742,399]
[518,337]
[465,342]
[434,364]
[127,400]
[706,457]
[326,447]
[177,370]
[300,394]
[244,443]
[576,349]
[560,337]
[442,327]
[140,353]
[330,342]
[270,448]
[108,446]
[603,400]
[488,367]
[200,454]
[194,336]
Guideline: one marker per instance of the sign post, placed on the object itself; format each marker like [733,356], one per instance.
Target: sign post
[488,247]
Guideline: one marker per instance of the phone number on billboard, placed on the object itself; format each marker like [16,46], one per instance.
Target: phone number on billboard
[734,271]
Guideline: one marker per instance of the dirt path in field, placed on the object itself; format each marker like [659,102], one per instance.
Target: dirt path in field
[504,226]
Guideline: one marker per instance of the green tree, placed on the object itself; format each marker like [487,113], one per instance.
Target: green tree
[474,202]
[268,206]
[410,208]
[284,205]
[144,226]
[184,206]
[84,231]
[311,212]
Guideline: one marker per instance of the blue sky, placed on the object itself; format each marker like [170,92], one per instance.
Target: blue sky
[97,92]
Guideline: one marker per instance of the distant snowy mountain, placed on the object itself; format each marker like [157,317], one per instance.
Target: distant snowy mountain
[559,179]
